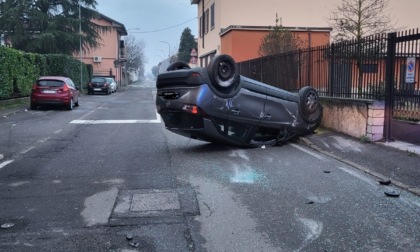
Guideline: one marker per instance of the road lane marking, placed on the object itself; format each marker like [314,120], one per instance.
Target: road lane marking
[58,131]
[43,140]
[24,151]
[113,121]
[308,151]
[5,163]
[79,121]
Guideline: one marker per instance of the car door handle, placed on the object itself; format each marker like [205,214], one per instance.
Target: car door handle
[268,117]
[235,112]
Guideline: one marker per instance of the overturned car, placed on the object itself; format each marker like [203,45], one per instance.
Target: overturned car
[215,104]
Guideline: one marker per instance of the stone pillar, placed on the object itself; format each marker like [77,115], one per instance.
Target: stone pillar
[375,123]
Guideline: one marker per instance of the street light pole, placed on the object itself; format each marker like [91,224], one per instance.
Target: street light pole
[169,48]
[80,48]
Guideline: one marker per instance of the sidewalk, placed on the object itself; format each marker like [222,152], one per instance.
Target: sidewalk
[395,161]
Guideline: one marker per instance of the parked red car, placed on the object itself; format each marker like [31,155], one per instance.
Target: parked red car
[54,90]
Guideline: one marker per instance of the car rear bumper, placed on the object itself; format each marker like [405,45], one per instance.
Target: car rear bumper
[40,99]
[98,89]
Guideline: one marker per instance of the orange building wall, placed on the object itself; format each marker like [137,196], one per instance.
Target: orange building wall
[244,44]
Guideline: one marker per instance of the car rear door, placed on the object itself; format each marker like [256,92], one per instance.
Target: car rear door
[247,106]
[280,109]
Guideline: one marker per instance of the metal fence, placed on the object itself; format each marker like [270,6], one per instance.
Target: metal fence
[356,69]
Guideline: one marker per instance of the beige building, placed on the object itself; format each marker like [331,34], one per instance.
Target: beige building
[106,59]
[218,17]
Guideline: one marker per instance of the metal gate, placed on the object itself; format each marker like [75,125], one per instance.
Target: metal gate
[402,103]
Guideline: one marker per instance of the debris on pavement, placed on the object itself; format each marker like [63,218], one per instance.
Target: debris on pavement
[129,236]
[310,202]
[327,171]
[385,182]
[134,244]
[394,194]
[7,225]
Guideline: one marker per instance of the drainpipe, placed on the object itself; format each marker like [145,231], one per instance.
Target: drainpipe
[203,22]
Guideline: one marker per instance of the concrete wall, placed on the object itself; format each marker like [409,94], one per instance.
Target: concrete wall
[355,118]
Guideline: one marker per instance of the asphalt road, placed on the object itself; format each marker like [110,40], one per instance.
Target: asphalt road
[92,178]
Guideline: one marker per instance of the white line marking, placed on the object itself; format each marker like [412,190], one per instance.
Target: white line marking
[113,121]
[358,175]
[24,151]
[43,140]
[5,163]
[157,120]
[308,152]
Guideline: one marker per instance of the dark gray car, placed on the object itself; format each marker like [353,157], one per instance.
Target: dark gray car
[215,104]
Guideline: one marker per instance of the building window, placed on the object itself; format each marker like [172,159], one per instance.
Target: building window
[207,21]
[212,16]
[200,25]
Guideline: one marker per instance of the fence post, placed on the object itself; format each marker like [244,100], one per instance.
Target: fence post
[331,84]
[389,84]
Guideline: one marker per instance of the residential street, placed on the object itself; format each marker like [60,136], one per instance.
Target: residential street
[108,176]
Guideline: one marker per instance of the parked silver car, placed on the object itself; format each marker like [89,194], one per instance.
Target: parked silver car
[112,83]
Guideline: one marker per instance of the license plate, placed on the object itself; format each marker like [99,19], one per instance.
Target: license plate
[49,91]
[97,89]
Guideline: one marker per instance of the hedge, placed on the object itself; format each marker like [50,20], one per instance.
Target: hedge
[19,70]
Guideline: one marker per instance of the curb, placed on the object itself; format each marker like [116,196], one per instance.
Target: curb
[308,143]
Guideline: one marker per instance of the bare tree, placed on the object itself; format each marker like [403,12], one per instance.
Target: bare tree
[356,20]
[360,18]
[135,55]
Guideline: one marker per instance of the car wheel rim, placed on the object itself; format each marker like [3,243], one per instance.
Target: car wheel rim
[311,101]
[225,74]
[225,71]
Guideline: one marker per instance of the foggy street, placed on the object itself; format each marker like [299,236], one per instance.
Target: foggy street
[108,176]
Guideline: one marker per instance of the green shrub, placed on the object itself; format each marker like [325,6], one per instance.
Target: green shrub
[19,70]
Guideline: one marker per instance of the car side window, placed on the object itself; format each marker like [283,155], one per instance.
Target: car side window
[70,82]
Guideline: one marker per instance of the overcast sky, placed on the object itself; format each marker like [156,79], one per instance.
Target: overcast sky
[153,21]
[164,20]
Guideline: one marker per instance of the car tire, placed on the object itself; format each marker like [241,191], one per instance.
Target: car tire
[309,105]
[77,103]
[71,105]
[177,66]
[222,71]
[32,106]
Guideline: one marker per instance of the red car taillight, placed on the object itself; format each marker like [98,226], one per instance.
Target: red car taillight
[192,109]
[34,89]
[64,89]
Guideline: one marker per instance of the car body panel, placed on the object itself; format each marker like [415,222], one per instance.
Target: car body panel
[54,90]
[248,113]
[112,83]
[246,107]
[99,85]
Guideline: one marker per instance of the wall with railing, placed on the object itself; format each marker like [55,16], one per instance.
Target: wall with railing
[381,69]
